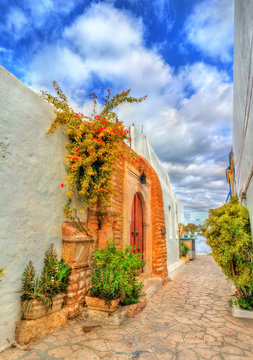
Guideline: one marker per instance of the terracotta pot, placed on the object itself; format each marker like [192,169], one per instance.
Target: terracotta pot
[96,303]
[186,258]
[38,308]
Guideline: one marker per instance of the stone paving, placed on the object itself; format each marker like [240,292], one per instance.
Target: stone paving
[188,319]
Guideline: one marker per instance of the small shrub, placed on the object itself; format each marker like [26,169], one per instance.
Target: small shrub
[115,273]
[184,249]
[105,283]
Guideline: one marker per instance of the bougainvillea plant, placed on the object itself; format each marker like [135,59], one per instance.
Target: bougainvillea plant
[95,144]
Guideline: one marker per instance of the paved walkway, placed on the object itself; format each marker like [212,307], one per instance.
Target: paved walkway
[188,319]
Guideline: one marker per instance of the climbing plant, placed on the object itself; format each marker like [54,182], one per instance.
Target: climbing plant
[95,144]
[228,234]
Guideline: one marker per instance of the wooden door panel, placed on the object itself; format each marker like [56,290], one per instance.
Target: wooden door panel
[136,229]
[138,224]
[132,227]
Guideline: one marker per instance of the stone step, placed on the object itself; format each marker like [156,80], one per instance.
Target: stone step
[152,285]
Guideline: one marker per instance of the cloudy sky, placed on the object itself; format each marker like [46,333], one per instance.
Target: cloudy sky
[177,52]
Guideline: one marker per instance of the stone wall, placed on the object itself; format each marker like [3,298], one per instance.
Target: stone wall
[31,171]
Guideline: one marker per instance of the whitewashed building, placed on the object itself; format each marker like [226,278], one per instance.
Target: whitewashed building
[243,103]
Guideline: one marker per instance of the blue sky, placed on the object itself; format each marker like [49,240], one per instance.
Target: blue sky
[178,52]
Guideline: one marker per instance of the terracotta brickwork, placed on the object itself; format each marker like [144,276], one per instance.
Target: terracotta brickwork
[76,248]
[113,222]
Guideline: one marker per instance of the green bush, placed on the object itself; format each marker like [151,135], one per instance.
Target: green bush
[56,274]
[184,249]
[228,235]
[115,273]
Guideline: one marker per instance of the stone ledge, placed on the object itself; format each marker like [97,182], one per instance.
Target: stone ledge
[118,316]
[175,268]
[103,317]
[241,313]
[28,331]
[135,309]
[152,285]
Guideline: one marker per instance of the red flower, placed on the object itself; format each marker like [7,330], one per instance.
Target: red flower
[100,189]
[96,117]
[73,168]
[123,92]
[62,185]
[129,139]
[100,168]
[108,191]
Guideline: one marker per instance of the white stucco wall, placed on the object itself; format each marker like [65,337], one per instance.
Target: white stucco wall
[141,145]
[243,99]
[31,171]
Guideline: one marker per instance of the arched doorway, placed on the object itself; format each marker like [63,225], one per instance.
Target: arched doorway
[136,229]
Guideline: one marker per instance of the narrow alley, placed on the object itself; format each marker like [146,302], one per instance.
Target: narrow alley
[188,319]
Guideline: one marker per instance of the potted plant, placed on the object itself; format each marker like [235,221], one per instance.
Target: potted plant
[44,295]
[114,275]
[184,249]
[228,235]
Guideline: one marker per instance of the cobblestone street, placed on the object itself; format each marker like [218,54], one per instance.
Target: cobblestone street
[188,319]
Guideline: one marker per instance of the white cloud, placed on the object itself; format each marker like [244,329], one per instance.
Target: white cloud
[186,113]
[16,23]
[57,63]
[210,28]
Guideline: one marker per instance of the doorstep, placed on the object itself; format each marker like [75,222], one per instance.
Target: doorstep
[117,317]
[152,284]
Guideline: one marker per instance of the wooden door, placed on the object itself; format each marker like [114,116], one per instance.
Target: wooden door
[136,231]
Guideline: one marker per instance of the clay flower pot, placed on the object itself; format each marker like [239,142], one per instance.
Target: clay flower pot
[39,309]
[96,303]
[186,258]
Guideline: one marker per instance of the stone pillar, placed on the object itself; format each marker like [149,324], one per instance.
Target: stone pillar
[76,249]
